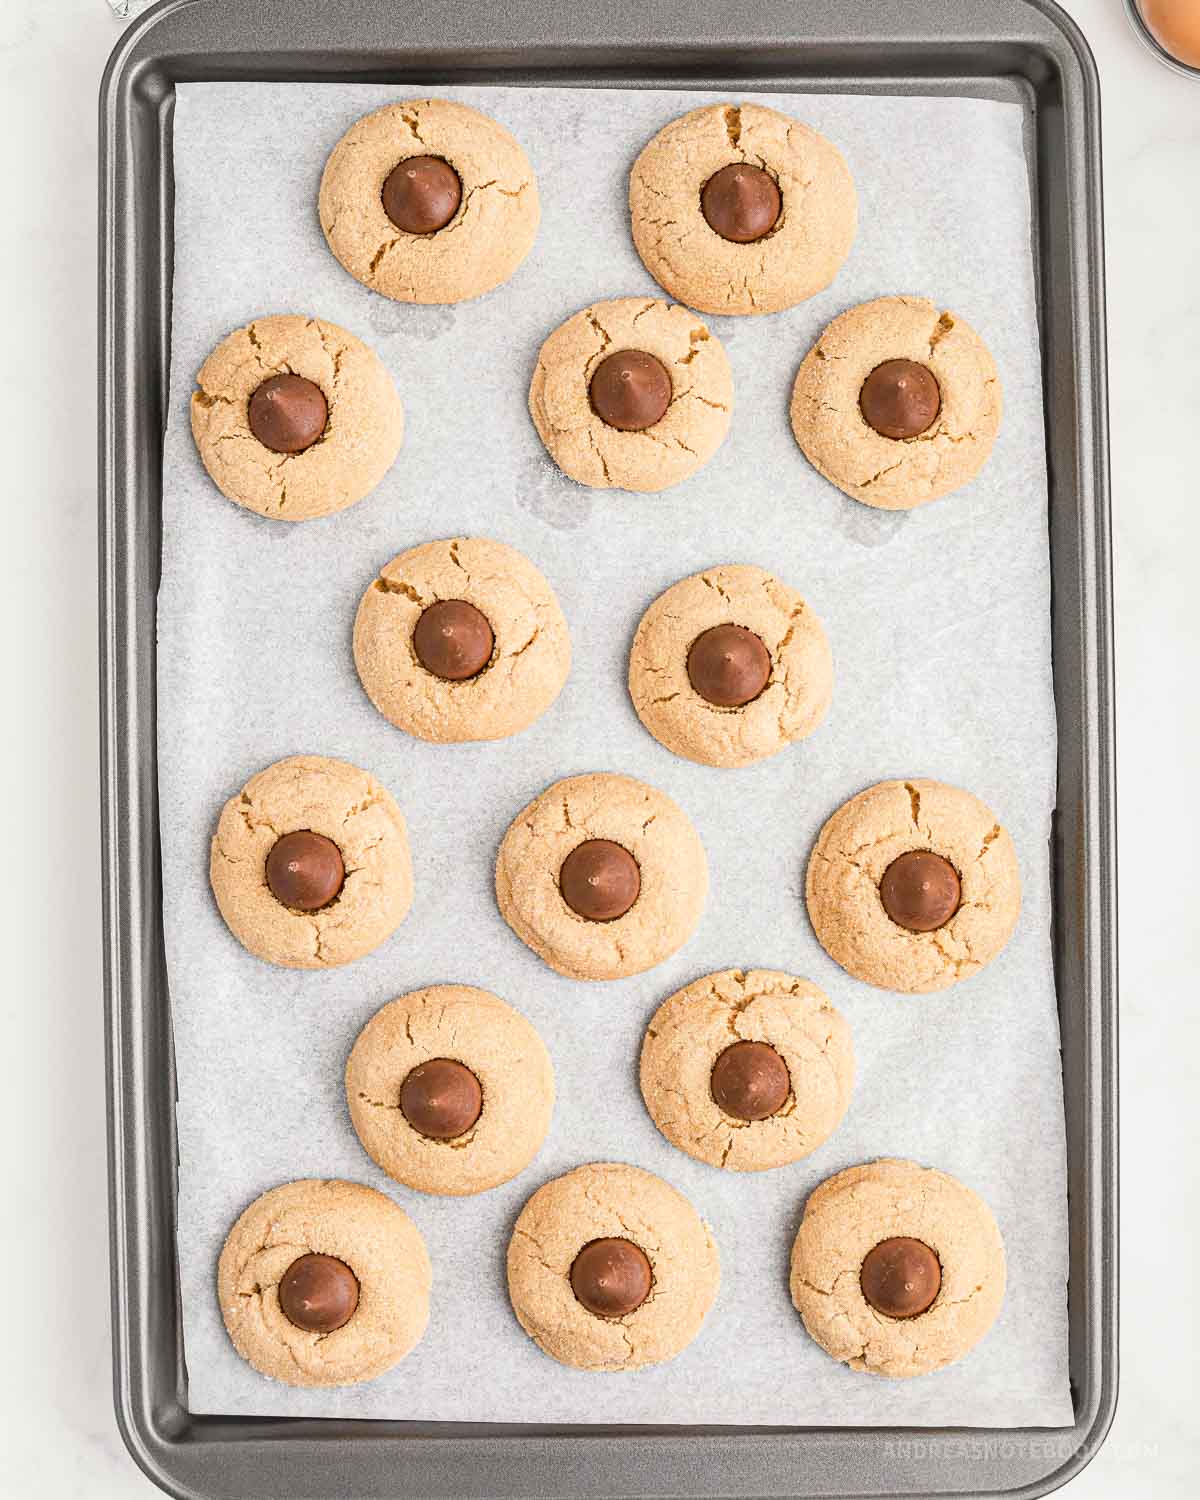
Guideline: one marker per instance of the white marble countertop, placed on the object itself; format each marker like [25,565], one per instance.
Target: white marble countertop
[55,1378]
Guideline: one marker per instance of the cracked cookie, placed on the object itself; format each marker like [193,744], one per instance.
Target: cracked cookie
[897,403]
[741,209]
[461,640]
[747,1069]
[450,1090]
[897,1269]
[310,863]
[913,885]
[602,876]
[610,1268]
[631,394]
[429,201]
[730,666]
[295,418]
[324,1283]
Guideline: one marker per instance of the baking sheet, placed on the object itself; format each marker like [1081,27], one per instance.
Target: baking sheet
[255,663]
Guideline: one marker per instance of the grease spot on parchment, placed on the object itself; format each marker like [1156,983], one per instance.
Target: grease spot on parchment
[545,492]
[724,329]
[867,526]
[421,323]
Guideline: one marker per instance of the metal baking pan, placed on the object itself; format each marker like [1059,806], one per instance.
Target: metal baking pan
[1027,51]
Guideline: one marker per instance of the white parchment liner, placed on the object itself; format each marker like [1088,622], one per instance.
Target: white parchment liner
[940,630]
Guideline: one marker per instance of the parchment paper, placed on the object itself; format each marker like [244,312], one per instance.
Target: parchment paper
[940,631]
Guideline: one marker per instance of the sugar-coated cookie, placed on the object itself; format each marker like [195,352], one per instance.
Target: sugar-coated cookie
[450,1090]
[730,666]
[633,394]
[461,639]
[747,1069]
[602,876]
[897,403]
[295,418]
[310,863]
[741,209]
[913,885]
[324,1283]
[897,1269]
[610,1268]
[429,201]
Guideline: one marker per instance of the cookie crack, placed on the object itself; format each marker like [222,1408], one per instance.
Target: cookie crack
[940,329]
[280,367]
[413,120]
[335,354]
[605,340]
[940,435]
[537,1254]
[386,585]
[837,1280]
[733,124]
[377,1103]
[372,799]
[937,434]
[824,405]
[637,1236]
[521,650]
[456,560]
[599,452]
[790,632]
[956,1301]
[385,249]
[668,441]
[247,810]
[318,941]
[207,399]
[219,851]
[957,964]
[865,484]
[734,1005]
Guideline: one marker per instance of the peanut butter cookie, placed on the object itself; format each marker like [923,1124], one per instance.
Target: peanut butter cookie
[632,395]
[741,209]
[897,1269]
[295,418]
[609,1268]
[730,666]
[897,403]
[913,885]
[461,640]
[602,876]
[324,1283]
[429,201]
[310,863]
[450,1090]
[747,1070]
